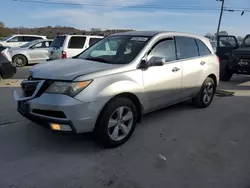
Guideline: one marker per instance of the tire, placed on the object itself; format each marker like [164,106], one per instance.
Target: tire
[206,94]
[19,60]
[110,128]
[225,73]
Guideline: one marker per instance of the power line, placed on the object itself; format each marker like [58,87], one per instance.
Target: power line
[121,6]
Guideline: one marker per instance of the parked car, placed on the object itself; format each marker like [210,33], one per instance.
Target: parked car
[7,70]
[235,57]
[109,94]
[66,46]
[32,52]
[19,40]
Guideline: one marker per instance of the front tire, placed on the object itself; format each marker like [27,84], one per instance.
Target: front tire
[117,122]
[206,94]
[19,60]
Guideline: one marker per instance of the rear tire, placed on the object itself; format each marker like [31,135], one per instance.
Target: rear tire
[116,123]
[225,73]
[206,94]
[19,60]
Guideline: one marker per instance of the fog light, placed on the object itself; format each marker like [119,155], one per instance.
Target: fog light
[60,127]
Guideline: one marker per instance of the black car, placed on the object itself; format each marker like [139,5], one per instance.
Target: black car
[234,57]
[7,70]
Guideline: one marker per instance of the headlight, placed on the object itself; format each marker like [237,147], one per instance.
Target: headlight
[68,88]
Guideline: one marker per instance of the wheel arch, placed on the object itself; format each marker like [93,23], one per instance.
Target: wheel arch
[130,96]
[214,78]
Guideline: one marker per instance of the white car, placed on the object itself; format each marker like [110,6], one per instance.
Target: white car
[19,40]
[66,46]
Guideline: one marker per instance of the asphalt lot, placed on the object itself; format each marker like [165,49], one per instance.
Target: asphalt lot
[180,146]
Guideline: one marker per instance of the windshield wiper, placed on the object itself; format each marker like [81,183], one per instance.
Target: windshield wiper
[97,59]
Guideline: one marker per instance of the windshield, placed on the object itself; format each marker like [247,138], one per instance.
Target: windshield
[119,49]
[5,38]
[246,41]
[58,42]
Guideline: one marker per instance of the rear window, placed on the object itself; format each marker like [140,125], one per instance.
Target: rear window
[186,48]
[77,42]
[58,42]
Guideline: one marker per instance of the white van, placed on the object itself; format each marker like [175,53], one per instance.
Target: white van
[19,40]
[66,46]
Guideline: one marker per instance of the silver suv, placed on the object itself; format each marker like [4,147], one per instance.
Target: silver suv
[111,85]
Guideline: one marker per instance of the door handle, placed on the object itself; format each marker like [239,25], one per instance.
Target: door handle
[175,69]
[203,63]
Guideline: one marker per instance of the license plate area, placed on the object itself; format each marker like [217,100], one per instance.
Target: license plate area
[23,106]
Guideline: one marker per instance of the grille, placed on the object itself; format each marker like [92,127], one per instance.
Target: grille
[50,113]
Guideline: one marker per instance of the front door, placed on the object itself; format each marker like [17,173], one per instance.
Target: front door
[225,45]
[163,83]
[39,52]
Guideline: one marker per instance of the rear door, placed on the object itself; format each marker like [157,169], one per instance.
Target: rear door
[192,65]
[75,45]
[225,45]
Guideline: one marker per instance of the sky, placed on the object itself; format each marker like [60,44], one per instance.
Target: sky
[115,15]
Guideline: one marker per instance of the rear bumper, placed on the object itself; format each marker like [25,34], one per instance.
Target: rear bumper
[7,70]
[62,109]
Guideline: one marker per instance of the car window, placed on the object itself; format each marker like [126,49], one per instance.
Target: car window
[16,39]
[246,41]
[227,41]
[118,49]
[58,42]
[186,48]
[47,44]
[77,42]
[38,45]
[93,41]
[203,49]
[165,49]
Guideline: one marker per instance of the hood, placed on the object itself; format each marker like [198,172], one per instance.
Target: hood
[242,49]
[68,69]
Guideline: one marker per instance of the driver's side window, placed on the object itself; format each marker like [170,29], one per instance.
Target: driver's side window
[38,45]
[165,49]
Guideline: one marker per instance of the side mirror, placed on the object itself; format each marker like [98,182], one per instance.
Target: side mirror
[156,61]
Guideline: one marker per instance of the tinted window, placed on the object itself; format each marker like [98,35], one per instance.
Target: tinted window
[203,49]
[165,49]
[186,48]
[93,41]
[77,42]
[58,42]
[246,41]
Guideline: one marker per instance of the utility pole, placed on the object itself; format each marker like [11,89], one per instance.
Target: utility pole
[221,13]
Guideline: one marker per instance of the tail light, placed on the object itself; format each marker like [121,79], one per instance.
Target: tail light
[4,54]
[64,55]
[218,59]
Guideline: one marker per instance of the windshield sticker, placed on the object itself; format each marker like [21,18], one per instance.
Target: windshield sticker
[143,39]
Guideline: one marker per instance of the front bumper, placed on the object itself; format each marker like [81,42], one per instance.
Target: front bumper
[61,109]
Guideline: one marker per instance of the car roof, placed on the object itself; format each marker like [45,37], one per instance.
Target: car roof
[97,36]
[153,33]
[28,35]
